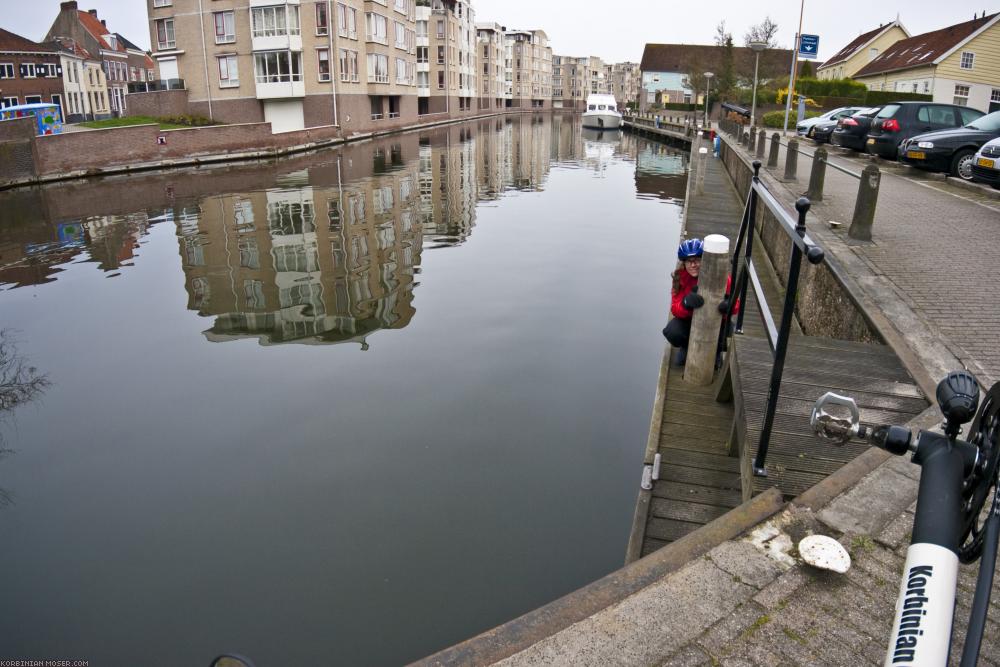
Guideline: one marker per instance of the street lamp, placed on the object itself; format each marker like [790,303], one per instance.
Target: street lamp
[756,47]
[708,87]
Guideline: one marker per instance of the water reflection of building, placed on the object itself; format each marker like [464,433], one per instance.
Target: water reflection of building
[448,188]
[660,170]
[310,264]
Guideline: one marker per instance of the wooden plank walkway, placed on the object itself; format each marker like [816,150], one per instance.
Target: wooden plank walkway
[706,446]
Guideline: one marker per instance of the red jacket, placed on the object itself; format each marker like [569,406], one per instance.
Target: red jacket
[687,282]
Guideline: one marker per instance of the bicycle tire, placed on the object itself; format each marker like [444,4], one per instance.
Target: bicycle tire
[985,434]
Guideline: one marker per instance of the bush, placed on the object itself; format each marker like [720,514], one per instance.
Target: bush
[678,106]
[187,120]
[830,88]
[876,97]
[777,118]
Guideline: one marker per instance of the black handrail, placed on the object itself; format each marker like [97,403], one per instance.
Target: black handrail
[743,268]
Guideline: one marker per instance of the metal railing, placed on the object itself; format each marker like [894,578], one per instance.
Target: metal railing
[746,274]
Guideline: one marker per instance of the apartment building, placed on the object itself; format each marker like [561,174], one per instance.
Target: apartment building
[569,82]
[494,90]
[447,53]
[626,82]
[531,68]
[293,63]
[598,76]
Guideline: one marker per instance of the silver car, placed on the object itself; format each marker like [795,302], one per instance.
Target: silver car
[986,164]
[805,128]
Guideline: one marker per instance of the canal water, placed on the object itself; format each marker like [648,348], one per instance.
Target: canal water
[346,408]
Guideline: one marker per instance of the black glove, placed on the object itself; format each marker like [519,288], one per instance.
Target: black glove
[693,300]
[724,306]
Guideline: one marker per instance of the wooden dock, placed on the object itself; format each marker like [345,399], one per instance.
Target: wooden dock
[706,444]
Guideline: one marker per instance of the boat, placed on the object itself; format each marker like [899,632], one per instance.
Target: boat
[602,113]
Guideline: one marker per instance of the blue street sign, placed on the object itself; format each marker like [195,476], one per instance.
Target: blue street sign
[808,46]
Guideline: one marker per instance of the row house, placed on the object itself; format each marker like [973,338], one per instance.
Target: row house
[85,89]
[293,63]
[959,64]
[121,60]
[626,81]
[531,68]
[30,73]
[863,49]
[446,58]
[494,93]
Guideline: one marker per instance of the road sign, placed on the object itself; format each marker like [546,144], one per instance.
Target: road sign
[808,46]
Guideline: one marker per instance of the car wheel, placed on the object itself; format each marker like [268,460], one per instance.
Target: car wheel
[961,164]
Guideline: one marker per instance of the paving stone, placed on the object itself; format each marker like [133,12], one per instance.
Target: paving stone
[871,504]
[778,592]
[746,563]
[689,656]
[718,641]
[897,532]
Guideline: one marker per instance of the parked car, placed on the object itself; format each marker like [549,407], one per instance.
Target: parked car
[852,132]
[986,164]
[951,150]
[822,132]
[899,121]
[805,128]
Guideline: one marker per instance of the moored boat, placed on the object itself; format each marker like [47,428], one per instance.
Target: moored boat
[602,113]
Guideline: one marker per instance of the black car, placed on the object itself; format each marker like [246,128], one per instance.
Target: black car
[852,132]
[821,132]
[899,121]
[951,150]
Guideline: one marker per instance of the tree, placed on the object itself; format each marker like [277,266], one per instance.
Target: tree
[766,31]
[19,382]
[807,70]
[721,35]
[725,80]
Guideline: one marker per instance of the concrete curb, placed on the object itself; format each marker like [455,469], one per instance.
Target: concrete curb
[520,633]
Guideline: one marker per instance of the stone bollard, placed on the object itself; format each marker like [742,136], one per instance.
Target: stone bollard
[817,177]
[761,144]
[702,165]
[703,344]
[752,146]
[864,208]
[772,157]
[791,160]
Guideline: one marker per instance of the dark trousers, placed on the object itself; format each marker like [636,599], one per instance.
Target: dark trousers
[678,331]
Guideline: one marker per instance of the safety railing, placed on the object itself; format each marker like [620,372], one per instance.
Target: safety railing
[745,271]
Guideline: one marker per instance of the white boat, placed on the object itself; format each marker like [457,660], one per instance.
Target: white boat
[602,113]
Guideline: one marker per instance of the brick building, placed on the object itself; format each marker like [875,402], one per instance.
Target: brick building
[447,50]
[30,72]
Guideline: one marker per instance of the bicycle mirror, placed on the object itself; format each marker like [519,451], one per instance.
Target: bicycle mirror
[958,397]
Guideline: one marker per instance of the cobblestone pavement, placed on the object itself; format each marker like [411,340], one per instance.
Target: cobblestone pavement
[936,244]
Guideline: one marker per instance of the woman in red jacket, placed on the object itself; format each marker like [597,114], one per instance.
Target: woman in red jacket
[685,298]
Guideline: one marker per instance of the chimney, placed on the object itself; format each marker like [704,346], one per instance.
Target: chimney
[92,12]
[70,5]
[104,23]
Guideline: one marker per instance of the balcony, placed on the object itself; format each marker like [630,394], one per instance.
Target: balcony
[286,42]
[269,90]
[153,86]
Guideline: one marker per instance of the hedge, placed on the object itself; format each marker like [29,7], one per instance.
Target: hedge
[877,97]
[830,88]
[777,118]
[679,106]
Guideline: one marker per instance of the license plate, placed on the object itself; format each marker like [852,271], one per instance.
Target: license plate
[983,162]
[916,155]
[871,141]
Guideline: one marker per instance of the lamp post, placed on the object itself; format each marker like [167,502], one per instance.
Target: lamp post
[708,88]
[756,47]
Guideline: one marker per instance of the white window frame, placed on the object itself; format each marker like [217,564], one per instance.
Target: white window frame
[292,57]
[324,78]
[166,39]
[400,30]
[8,102]
[228,65]
[347,21]
[960,99]
[4,69]
[348,60]
[971,60]
[401,6]
[29,71]
[376,28]
[228,24]
[162,3]
[995,95]
[321,9]
[402,67]
[377,62]
[27,99]
[264,21]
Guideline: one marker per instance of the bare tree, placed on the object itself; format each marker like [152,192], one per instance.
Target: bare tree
[766,31]
[19,382]
[722,36]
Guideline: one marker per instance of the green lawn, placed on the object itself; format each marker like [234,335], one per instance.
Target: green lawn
[130,120]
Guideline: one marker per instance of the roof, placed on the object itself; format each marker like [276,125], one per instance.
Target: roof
[925,49]
[127,44]
[12,42]
[71,46]
[860,41]
[98,30]
[682,57]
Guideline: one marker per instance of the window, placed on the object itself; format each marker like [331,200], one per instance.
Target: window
[378,68]
[872,54]
[323,56]
[161,3]
[399,6]
[165,34]
[377,28]
[225,27]
[440,29]
[275,21]
[995,95]
[402,72]
[150,75]
[28,71]
[968,60]
[229,72]
[348,65]
[278,66]
[321,19]
[347,21]
[440,80]
[423,79]
[6,71]
[400,35]
[961,94]
[421,28]
[8,102]
[440,55]
[32,99]
[422,54]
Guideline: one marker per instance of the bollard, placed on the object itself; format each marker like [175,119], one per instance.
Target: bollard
[817,176]
[864,208]
[791,160]
[772,157]
[703,344]
[761,144]
[702,160]
[753,139]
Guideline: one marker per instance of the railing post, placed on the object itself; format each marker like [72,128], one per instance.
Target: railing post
[791,159]
[817,177]
[702,166]
[761,144]
[781,346]
[864,208]
[748,241]
[703,345]
[772,157]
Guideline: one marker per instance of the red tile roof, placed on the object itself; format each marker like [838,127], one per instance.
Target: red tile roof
[13,42]
[861,40]
[97,29]
[922,50]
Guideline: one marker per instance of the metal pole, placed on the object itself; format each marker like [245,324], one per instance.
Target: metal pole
[748,250]
[753,106]
[795,62]
[781,346]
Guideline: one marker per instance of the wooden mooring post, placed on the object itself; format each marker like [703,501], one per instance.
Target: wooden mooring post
[703,344]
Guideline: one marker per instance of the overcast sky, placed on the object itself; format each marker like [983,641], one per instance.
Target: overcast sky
[615,31]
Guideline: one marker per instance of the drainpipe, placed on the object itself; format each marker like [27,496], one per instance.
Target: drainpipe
[334,53]
[204,57]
